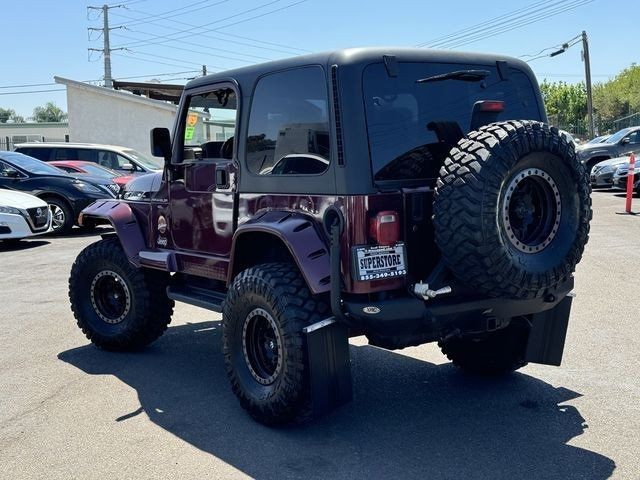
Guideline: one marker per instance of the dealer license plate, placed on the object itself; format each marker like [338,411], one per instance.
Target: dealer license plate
[378,262]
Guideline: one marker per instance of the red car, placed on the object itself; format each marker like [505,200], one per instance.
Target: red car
[90,168]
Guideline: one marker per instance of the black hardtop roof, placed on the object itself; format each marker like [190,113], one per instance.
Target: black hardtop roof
[357,56]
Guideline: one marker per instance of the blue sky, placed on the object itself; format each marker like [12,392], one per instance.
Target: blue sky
[43,38]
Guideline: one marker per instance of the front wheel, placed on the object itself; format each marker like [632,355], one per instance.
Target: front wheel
[117,306]
[62,220]
[263,343]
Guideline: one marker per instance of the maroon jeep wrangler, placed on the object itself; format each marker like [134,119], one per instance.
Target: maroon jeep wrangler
[408,195]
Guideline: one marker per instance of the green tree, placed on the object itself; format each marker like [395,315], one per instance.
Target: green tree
[50,112]
[9,114]
[566,103]
[619,96]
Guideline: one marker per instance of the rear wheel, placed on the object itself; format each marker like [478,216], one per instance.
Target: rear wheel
[264,346]
[492,353]
[117,306]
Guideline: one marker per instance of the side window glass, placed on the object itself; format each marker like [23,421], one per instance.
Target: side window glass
[86,155]
[110,160]
[289,124]
[66,154]
[3,168]
[210,125]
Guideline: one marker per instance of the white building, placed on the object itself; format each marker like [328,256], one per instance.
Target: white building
[101,115]
[12,133]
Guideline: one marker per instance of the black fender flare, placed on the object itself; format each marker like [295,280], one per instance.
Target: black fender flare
[299,234]
[121,217]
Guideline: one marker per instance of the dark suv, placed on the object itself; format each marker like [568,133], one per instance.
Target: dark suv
[407,195]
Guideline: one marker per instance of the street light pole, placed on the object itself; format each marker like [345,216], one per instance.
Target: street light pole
[587,74]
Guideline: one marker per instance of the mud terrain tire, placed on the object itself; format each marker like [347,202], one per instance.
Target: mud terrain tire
[512,208]
[268,306]
[117,306]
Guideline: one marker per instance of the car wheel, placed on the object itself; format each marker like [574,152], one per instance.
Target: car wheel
[117,306]
[62,220]
[263,343]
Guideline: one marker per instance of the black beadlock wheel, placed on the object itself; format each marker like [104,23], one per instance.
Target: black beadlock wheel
[117,306]
[512,209]
[266,308]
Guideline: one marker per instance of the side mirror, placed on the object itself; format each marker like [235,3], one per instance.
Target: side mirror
[625,140]
[11,173]
[161,143]
[128,167]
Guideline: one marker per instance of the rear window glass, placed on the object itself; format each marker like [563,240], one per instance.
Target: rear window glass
[289,124]
[412,126]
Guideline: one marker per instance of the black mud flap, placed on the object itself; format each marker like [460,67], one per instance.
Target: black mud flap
[548,333]
[330,371]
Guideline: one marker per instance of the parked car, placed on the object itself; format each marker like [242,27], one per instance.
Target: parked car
[66,195]
[621,174]
[93,169]
[333,210]
[121,159]
[22,215]
[621,143]
[602,172]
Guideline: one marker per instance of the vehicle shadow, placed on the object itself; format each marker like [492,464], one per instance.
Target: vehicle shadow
[409,418]
[23,244]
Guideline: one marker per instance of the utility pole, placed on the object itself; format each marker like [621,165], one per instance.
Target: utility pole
[106,50]
[587,74]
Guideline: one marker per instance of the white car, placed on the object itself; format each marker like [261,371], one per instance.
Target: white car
[22,215]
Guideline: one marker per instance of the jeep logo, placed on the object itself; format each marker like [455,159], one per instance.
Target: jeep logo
[371,310]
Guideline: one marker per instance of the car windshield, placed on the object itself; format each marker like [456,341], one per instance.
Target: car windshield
[146,162]
[616,137]
[99,171]
[413,123]
[32,165]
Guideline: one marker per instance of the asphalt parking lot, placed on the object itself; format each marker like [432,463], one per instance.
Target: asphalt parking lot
[69,410]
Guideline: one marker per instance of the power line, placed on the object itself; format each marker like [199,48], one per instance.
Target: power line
[183,10]
[163,57]
[293,50]
[157,62]
[34,91]
[476,26]
[519,24]
[515,19]
[190,32]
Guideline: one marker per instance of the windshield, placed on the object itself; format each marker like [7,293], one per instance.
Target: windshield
[99,171]
[412,126]
[32,165]
[616,137]
[146,162]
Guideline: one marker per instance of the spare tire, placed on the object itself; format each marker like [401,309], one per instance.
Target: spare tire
[512,208]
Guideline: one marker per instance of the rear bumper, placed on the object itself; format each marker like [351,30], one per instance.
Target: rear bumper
[412,316]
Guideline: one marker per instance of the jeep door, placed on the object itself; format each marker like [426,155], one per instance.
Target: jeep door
[201,193]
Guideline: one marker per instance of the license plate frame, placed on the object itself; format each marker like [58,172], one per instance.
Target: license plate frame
[393,261]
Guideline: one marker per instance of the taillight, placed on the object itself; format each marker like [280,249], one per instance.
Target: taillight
[384,228]
[490,105]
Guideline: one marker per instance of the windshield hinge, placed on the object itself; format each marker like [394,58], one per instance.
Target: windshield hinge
[503,69]
[391,64]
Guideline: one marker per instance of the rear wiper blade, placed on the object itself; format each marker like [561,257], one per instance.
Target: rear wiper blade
[464,75]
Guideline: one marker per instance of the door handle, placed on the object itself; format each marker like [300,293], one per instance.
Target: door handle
[222,178]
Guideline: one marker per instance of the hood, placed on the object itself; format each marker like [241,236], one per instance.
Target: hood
[141,188]
[612,162]
[589,149]
[11,198]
